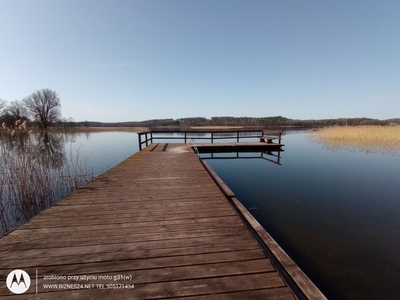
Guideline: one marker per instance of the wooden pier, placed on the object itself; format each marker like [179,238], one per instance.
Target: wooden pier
[159,225]
[258,139]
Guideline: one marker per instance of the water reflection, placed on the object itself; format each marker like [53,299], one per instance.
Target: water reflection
[270,156]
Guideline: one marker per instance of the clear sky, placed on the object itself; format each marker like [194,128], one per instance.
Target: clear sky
[127,60]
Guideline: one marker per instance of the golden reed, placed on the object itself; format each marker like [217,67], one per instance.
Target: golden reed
[364,138]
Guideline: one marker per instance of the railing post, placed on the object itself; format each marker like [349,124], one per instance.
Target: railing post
[185,137]
[237,137]
[212,137]
[140,141]
[147,140]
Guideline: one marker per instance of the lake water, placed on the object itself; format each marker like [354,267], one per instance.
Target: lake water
[336,213]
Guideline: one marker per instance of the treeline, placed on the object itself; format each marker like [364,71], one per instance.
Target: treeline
[42,108]
[266,122]
[342,122]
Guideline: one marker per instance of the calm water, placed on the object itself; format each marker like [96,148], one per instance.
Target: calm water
[104,149]
[336,213]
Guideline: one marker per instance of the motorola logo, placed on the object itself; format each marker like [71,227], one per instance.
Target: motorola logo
[18,281]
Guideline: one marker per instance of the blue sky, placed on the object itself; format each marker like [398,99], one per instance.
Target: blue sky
[137,60]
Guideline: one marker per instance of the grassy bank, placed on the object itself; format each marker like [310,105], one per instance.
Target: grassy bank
[365,138]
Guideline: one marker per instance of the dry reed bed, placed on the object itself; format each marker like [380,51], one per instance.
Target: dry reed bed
[33,176]
[382,139]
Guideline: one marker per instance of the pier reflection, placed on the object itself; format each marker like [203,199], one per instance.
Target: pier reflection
[270,156]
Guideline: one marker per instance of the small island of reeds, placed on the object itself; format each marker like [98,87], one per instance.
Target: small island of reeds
[379,139]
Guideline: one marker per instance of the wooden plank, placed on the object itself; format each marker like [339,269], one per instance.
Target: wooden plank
[215,199]
[139,196]
[109,229]
[141,218]
[12,242]
[136,233]
[122,255]
[156,235]
[163,274]
[158,275]
[31,253]
[278,293]
[176,222]
[202,287]
[112,264]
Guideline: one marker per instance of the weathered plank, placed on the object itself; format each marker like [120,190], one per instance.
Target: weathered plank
[30,253]
[231,220]
[65,259]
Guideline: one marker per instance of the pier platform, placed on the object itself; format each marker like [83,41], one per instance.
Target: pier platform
[159,225]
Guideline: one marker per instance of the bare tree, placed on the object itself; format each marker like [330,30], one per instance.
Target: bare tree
[45,106]
[2,104]
[18,110]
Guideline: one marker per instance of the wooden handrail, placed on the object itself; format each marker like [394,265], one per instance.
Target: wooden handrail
[214,135]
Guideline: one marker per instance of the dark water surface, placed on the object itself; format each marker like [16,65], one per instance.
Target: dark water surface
[336,213]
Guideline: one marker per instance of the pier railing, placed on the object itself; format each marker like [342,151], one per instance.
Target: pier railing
[149,137]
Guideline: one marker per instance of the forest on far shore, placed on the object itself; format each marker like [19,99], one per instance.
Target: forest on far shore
[266,122]
[42,110]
